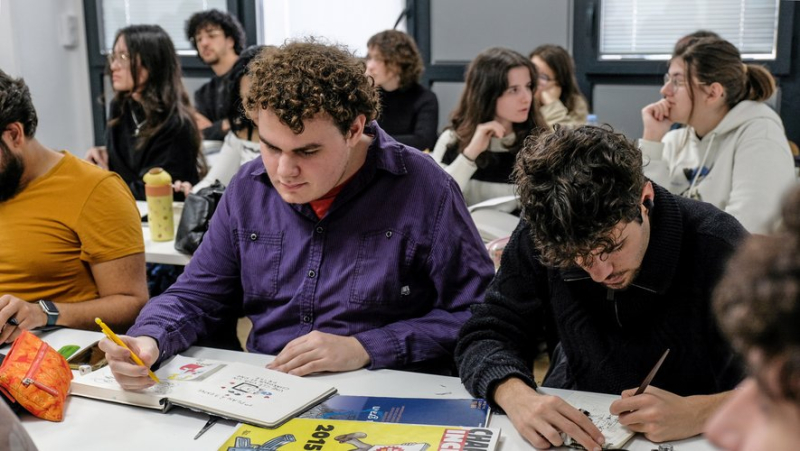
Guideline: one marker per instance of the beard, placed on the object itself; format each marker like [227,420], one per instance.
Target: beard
[11,169]
[212,59]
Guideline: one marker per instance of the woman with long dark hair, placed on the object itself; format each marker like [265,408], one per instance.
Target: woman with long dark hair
[150,123]
[557,91]
[733,152]
[495,114]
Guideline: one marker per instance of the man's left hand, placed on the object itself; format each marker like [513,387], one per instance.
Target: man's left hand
[28,315]
[659,414]
[317,351]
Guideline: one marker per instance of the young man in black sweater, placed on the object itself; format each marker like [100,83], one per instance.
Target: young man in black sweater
[218,38]
[616,270]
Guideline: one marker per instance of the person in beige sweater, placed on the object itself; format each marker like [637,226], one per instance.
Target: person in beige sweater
[557,92]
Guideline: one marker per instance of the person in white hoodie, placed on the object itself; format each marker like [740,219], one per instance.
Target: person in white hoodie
[733,152]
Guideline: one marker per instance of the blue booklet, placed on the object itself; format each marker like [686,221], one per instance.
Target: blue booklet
[440,412]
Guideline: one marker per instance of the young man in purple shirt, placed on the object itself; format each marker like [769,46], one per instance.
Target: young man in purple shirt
[345,248]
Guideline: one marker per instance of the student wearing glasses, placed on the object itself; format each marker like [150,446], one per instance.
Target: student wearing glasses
[218,38]
[150,122]
[495,114]
[557,92]
[733,153]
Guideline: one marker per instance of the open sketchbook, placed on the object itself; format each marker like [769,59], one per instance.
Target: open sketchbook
[339,435]
[237,391]
[597,405]
[452,412]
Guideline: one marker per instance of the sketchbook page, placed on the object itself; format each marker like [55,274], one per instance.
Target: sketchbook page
[252,394]
[101,384]
[598,406]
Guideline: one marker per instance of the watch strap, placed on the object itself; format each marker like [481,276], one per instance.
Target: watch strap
[50,309]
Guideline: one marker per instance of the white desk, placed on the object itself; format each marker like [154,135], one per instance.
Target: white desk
[98,425]
[162,251]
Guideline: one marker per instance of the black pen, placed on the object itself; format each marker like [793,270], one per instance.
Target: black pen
[211,420]
[652,374]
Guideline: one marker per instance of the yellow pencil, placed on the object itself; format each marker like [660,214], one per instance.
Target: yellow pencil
[113,337]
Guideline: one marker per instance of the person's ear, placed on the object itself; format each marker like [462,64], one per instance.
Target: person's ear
[14,135]
[356,130]
[715,92]
[648,194]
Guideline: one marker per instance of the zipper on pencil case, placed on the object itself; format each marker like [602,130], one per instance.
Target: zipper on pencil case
[37,362]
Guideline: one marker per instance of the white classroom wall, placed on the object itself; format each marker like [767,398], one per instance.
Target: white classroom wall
[35,45]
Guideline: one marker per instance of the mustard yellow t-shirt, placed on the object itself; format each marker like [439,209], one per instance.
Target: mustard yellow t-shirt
[74,215]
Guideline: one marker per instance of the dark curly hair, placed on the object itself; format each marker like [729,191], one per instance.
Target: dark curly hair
[575,186]
[230,26]
[304,78]
[757,302]
[400,54]
[16,104]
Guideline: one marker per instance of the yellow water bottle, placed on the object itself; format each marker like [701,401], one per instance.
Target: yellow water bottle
[158,191]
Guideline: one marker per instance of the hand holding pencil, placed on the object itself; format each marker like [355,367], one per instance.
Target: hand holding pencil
[658,414]
[130,358]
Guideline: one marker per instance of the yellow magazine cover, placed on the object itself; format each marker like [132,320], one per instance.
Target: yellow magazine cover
[340,435]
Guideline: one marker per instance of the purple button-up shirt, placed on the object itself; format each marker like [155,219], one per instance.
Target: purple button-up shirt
[395,263]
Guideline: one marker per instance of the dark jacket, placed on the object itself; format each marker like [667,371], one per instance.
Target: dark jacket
[213,100]
[171,148]
[410,115]
[609,340]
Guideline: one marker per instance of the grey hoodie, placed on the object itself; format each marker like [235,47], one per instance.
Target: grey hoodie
[745,165]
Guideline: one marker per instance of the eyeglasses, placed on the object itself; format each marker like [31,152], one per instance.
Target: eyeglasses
[676,82]
[124,58]
[209,34]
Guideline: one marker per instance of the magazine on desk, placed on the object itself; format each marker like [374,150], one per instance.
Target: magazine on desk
[237,391]
[452,412]
[340,435]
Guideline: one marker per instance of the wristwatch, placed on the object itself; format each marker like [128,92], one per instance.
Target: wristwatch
[50,310]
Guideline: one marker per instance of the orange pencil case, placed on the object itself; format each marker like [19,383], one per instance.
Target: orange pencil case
[36,376]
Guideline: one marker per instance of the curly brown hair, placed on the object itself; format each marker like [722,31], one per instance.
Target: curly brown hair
[304,78]
[575,186]
[400,53]
[757,302]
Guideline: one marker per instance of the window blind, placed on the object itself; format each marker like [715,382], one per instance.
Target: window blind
[648,29]
[172,16]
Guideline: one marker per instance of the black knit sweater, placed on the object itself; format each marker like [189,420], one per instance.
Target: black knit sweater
[610,340]
[410,115]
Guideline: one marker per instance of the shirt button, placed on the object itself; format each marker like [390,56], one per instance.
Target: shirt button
[320,230]
[312,274]
[389,234]
[306,318]
[253,237]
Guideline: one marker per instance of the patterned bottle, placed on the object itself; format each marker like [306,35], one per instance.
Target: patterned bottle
[158,190]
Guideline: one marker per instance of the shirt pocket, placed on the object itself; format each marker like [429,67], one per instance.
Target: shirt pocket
[382,267]
[260,256]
